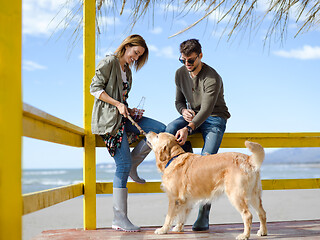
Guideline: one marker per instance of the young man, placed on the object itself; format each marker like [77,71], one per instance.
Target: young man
[200,101]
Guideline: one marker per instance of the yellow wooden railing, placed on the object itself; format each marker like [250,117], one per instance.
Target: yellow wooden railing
[17,120]
[40,125]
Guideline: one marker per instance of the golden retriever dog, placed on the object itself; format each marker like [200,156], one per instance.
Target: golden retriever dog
[188,178]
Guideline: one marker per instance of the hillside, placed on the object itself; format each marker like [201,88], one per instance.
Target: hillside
[294,155]
[284,155]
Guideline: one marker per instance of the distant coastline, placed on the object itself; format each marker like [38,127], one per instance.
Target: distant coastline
[284,163]
[294,156]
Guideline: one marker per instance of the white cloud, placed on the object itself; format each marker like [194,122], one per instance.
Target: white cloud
[220,32]
[153,48]
[217,16]
[44,17]
[170,7]
[41,17]
[156,30]
[263,6]
[166,52]
[107,21]
[32,66]
[101,54]
[305,53]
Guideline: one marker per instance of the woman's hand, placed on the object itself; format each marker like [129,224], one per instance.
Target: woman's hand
[136,113]
[123,109]
[120,106]
[188,114]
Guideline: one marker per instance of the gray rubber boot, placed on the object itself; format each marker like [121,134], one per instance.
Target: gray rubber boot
[138,154]
[202,222]
[120,220]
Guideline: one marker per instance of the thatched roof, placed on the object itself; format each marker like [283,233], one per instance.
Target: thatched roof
[241,15]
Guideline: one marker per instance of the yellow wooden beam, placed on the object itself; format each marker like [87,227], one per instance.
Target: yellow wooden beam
[89,158]
[10,119]
[35,201]
[267,140]
[148,187]
[272,184]
[285,184]
[271,140]
[100,143]
[39,115]
[43,126]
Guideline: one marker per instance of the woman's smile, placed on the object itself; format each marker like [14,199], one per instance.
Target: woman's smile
[133,53]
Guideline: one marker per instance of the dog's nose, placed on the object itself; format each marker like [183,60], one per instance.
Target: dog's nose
[150,135]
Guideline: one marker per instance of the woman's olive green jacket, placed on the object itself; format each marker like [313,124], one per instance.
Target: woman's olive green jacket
[106,117]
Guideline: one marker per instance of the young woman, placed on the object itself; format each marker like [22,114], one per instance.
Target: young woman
[110,86]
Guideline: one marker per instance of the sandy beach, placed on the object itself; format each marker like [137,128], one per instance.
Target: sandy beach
[150,210]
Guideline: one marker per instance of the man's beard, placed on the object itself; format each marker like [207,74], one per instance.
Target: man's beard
[194,68]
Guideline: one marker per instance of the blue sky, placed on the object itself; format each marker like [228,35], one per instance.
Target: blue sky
[272,88]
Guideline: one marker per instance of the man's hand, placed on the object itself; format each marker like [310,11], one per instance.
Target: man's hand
[188,114]
[182,136]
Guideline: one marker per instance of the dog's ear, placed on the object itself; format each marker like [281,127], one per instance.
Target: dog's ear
[164,153]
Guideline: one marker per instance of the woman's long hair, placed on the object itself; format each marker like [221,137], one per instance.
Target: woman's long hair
[134,40]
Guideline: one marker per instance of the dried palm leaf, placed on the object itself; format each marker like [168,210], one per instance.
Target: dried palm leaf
[242,14]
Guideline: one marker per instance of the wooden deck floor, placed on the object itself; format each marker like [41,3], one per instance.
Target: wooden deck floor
[276,230]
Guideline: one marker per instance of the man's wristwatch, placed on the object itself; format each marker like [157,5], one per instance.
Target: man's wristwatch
[190,130]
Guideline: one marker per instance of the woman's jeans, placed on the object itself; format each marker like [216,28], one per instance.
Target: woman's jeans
[212,130]
[122,156]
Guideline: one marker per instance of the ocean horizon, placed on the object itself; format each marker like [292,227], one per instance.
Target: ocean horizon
[34,180]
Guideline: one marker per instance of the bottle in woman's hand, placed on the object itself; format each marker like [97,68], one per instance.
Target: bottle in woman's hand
[139,110]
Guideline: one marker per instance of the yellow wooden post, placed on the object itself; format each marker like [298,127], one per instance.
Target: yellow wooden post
[10,120]
[89,173]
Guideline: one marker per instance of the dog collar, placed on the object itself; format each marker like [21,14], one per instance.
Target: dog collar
[168,163]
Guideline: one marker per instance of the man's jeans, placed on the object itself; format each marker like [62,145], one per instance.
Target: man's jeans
[212,131]
[122,156]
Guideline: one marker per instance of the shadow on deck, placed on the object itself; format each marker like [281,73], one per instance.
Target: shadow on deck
[309,229]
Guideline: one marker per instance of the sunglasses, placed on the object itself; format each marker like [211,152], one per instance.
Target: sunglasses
[190,61]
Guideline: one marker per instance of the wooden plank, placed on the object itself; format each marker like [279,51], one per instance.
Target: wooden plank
[267,140]
[47,198]
[284,184]
[104,187]
[43,126]
[42,131]
[272,140]
[89,157]
[305,229]
[148,187]
[10,119]
[100,143]
[272,184]
[35,201]
[37,114]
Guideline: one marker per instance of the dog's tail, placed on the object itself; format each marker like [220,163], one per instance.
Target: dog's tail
[257,156]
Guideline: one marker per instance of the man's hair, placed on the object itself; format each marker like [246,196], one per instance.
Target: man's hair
[190,46]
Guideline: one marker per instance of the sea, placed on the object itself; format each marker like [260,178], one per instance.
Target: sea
[34,180]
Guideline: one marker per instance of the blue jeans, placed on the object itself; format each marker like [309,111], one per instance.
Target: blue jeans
[212,130]
[122,156]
